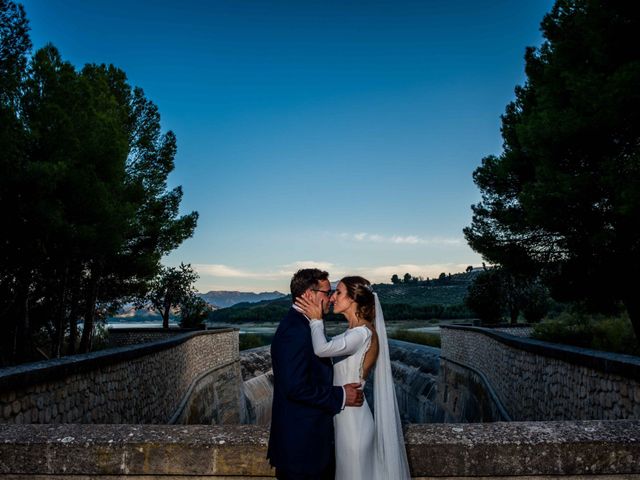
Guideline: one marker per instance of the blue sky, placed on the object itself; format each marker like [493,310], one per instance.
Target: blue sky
[339,134]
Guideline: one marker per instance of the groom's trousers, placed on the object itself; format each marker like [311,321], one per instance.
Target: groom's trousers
[328,474]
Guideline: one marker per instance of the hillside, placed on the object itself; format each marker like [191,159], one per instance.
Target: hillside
[439,298]
[448,291]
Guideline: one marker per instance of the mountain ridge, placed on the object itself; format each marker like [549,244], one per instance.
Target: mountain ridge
[228,298]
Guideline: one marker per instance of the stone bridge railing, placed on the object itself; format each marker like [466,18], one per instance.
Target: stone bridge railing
[191,377]
[535,380]
[589,449]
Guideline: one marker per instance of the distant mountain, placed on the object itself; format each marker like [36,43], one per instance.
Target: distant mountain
[224,299]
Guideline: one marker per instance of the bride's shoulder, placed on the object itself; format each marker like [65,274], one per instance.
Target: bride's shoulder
[367,330]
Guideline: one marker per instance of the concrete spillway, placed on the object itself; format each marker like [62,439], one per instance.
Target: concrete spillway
[257,386]
[415,368]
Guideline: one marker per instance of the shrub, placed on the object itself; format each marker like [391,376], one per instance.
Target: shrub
[599,332]
[422,338]
[253,340]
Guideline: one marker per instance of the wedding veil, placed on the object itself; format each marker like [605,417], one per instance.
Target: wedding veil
[390,454]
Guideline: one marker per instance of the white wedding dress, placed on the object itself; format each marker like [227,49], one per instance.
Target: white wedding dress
[366,447]
[354,427]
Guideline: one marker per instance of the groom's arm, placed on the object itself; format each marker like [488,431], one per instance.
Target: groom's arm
[294,360]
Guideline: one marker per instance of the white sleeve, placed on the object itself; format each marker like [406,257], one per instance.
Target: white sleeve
[344,344]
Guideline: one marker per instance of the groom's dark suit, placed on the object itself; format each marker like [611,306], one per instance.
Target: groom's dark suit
[304,400]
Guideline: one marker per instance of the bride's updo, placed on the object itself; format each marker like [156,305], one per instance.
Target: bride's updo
[359,290]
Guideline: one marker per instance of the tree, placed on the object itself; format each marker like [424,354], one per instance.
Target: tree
[172,287]
[86,211]
[562,199]
[484,297]
[14,47]
[193,311]
[537,302]
[395,279]
[407,278]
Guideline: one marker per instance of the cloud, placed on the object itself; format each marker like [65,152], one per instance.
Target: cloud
[284,271]
[295,266]
[400,239]
[218,270]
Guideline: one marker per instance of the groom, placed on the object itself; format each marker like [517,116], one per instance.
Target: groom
[304,398]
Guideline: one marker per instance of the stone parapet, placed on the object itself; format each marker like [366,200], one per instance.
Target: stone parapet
[536,380]
[135,384]
[121,337]
[590,449]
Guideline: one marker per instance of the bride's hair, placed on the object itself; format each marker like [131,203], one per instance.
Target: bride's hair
[359,290]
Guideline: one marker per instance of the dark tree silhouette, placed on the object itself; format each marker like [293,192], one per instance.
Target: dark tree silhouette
[86,211]
[562,199]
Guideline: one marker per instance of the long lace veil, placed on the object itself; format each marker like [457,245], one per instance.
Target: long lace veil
[391,456]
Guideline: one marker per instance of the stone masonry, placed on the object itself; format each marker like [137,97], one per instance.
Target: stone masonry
[135,384]
[537,380]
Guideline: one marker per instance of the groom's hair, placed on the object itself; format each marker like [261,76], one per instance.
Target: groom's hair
[305,279]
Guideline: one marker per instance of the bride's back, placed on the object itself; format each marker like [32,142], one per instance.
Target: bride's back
[371,356]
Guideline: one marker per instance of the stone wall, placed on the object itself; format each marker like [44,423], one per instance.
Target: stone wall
[535,380]
[465,396]
[520,450]
[149,383]
[121,337]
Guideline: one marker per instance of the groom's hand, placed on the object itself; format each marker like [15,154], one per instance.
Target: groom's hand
[355,397]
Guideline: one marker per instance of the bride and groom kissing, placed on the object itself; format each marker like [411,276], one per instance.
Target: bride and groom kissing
[321,424]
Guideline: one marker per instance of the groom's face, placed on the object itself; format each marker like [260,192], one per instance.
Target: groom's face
[323,292]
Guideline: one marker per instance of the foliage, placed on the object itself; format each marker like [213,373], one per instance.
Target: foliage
[264,311]
[497,293]
[484,297]
[562,199]
[423,338]
[411,296]
[599,332]
[448,290]
[193,311]
[403,311]
[170,288]
[86,211]
[254,340]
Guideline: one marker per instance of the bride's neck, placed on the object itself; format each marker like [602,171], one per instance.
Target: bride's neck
[353,319]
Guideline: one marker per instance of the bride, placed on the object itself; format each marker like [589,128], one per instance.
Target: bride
[366,447]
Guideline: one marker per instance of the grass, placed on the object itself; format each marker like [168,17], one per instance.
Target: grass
[598,332]
[254,340]
[422,338]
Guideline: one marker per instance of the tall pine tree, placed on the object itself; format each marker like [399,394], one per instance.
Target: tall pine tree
[563,198]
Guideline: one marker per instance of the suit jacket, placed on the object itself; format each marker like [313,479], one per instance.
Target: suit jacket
[304,400]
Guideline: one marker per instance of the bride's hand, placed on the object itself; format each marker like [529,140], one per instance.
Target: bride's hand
[312,309]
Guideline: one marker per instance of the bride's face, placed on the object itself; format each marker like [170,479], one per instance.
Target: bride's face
[340,299]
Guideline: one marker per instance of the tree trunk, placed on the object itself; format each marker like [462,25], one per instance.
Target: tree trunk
[89,313]
[165,315]
[73,320]
[61,317]
[23,327]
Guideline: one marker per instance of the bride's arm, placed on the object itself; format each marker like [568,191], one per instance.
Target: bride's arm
[343,344]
